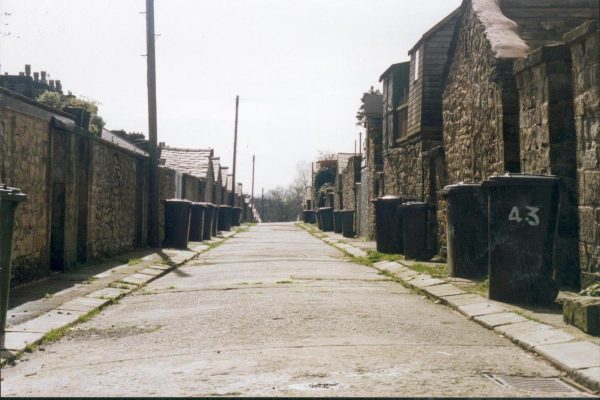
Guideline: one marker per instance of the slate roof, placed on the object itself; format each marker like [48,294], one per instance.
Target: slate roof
[342,161]
[119,141]
[195,162]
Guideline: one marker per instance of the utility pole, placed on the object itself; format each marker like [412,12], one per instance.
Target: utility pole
[237,106]
[355,148]
[153,226]
[253,158]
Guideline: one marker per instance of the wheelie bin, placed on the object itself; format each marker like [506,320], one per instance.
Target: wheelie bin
[225,217]
[306,217]
[236,216]
[466,230]
[10,198]
[348,223]
[197,222]
[319,221]
[208,220]
[337,221]
[326,214]
[523,212]
[416,220]
[311,217]
[177,223]
[389,240]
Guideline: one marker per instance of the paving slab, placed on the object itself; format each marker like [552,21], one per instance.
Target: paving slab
[151,271]
[356,252]
[45,323]
[160,267]
[491,321]
[529,340]
[474,310]
[84,304]
[589,378]
[108,293]
[424,281]
[571,356]
[138,279]
[17,341]
[407,274]
[443,290]
[518,328]
[462,300]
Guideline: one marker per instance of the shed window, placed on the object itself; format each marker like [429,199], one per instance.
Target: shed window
[417,65]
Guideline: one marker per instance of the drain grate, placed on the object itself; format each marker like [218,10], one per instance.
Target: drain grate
[531,384]
[319,386]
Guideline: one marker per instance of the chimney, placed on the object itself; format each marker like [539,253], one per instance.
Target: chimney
[36,76]
[58,85]
[43,76]
[21,73]
[28,69]
[52,84]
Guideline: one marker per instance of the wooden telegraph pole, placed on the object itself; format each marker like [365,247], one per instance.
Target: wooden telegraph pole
[251,214]
[237,106]
[153,226]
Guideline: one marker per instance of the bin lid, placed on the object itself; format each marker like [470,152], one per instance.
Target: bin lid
[337,211]
[225,206]
[11,194]
[325,208]
[197,204]
[175,201]
[415,204]
[521,180]
[208,205]
[460,187]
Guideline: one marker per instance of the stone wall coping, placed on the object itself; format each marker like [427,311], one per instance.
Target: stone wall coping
[58,119]
[502,32]
[30,102]
[556,52]
[581,32]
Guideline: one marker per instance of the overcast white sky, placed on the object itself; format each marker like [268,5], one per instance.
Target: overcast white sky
[299,67]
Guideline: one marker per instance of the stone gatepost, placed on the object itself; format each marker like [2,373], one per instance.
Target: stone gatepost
[583,44]
[548,142]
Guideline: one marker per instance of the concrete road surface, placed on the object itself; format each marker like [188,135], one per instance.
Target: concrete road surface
[276,312]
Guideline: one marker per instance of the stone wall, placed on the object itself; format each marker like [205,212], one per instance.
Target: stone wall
[480,107]
[192,188]
[351,176]
[366,210]
[548,141]
[24,161]
[403,169]
[583,43]
[112,214]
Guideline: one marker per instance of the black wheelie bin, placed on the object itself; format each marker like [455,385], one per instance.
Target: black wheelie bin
[197,222]
[523,213]
[466,230]
[177,223]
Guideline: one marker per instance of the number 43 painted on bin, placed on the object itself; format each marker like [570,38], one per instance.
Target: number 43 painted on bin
[531,218]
